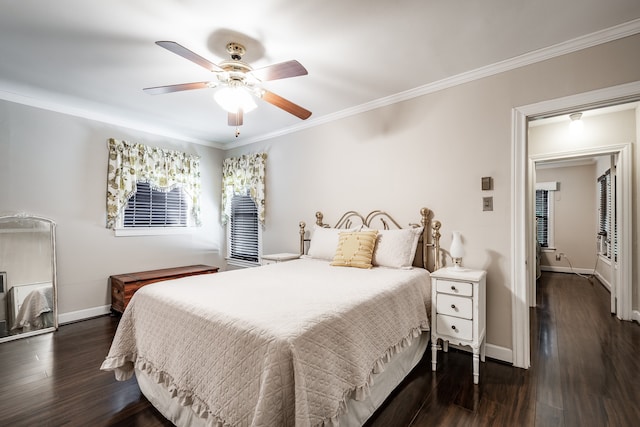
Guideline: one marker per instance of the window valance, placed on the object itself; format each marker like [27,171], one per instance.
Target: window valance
[163,169]
[244,175]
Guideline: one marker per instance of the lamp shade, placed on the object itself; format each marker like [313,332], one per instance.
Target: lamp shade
[234,98]
[456,250]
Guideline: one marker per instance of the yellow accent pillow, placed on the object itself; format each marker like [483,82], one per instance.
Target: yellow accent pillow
[355,249]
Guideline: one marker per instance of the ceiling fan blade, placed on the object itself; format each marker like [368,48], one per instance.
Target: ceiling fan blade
[286,105]
[235,119]
[158,90]
[187,54]
[282,70]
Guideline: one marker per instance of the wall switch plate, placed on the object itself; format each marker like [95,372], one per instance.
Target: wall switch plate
[487,183]
[487,203]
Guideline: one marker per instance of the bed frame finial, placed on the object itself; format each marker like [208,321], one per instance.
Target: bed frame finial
[302,225]
[319,218]
[436,243]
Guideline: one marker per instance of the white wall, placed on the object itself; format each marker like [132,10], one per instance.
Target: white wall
[55,165]
[431,151]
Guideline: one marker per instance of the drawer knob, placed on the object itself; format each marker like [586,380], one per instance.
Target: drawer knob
[453,306]
[453,288]
[453,327]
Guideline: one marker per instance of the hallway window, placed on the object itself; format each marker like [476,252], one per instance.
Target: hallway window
[606,199]
[544,213]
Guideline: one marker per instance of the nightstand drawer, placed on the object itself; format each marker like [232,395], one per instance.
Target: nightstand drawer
[454,305]
[454,327]
[455,288]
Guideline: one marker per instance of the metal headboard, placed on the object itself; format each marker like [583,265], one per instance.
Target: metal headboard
[429,241]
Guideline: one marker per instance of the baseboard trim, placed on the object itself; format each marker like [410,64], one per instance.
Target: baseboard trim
[561,269]
[87,313]
[604,282]
[493,351]
[500,353]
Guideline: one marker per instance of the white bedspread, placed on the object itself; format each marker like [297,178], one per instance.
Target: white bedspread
[280,345]
[36,303]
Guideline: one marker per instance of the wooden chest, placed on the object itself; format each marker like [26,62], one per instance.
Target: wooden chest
[123,286]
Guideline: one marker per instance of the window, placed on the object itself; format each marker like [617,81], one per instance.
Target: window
[165,185]
[542,217]
[606,200]
[243,230]
[243,207]
[544,213]
[149,207]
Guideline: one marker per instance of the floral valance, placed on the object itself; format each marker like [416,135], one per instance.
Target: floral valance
[163,169]
[243,175]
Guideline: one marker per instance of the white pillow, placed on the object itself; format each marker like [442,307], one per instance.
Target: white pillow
[324,242]
[396,248]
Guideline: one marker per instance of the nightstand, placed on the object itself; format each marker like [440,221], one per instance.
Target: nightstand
[458,312]
[275,258]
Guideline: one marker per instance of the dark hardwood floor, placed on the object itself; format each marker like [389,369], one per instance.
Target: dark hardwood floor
[585,372]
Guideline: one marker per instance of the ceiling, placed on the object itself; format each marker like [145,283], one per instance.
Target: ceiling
[92,59]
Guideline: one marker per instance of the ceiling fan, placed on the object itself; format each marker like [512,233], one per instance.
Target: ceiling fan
[238,81]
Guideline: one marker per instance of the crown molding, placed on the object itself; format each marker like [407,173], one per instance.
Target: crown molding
[69,106]
[579,43]
[610,34]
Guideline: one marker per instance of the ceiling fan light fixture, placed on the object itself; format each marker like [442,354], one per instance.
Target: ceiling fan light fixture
[239,82]
[234,98]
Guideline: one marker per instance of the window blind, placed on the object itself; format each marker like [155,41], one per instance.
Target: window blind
[243,236]
[152,208]
[607,199]
[542,217]
[604,183]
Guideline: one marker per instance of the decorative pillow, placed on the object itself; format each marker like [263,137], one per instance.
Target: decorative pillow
[355,249]
[324,241]
[396,248]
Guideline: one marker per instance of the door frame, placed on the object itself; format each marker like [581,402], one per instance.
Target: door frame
[522,242]
[621,277]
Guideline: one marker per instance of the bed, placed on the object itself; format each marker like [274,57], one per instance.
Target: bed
[35,307]
[321,340]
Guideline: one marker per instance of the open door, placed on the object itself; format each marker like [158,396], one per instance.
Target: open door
[613,215]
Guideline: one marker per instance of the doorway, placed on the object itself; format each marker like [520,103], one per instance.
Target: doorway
[523,242]
[576,207]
